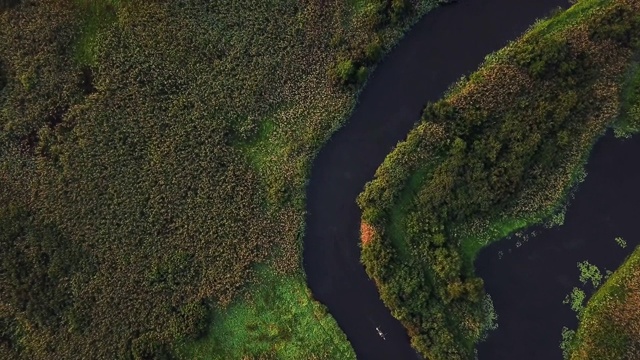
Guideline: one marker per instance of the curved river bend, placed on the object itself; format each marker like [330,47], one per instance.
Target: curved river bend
[528,283]
[447,43]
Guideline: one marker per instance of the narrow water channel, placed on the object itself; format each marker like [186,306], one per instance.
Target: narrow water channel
[529,282]
[447,43]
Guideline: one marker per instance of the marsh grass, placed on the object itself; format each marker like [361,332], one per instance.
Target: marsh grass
[276,320]
[6,4]
[96,16]
[471,242]
[178,153]
[560,20]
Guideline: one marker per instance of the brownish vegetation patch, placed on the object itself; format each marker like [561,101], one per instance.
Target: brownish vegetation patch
[367,233]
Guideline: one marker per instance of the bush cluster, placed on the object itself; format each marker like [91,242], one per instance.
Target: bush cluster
[504,144]
[373,19]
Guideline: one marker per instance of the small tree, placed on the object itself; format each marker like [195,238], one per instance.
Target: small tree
[361,74]
[345,71]
[373,50]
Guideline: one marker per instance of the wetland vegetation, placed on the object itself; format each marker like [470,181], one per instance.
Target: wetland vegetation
[609,326]
[498,153]
[152,154]
[153,159]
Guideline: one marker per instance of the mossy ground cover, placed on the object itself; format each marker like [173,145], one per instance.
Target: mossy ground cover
[503,150]
[609,324]
[169,143]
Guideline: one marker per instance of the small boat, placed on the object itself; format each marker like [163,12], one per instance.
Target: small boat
[380,333]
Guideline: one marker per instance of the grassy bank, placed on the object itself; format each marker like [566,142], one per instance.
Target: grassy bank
[277,319]
[169,144]
[609,324]
[500,152]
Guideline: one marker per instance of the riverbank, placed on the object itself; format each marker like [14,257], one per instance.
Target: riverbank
[609,324]
[420,69]
[500,152]
[529,276]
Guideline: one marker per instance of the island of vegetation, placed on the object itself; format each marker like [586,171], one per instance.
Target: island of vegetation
[498,153]
[609,327]
[153,158]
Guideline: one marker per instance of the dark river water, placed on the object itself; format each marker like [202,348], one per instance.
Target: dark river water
[447,43]
[529,282]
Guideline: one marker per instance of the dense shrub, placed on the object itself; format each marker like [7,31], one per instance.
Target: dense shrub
[374,17]
[509,143]
[345,71]
[373,50]
[629,122]
[362,74]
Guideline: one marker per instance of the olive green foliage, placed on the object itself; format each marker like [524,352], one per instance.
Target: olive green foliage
[575,299]
[41,271]
[346,72]
[168,142]
[397,9]
[374,16]
[277,320]
[609,327]
[567,341]
[589,272]
[97,16]
[499,152]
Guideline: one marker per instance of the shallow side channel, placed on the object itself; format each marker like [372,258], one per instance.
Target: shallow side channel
[528,283]
[445,44]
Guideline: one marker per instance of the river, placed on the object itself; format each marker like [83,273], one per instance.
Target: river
[529,282]
[447,43]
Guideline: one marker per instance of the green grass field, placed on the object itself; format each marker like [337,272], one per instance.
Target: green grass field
[277,319]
